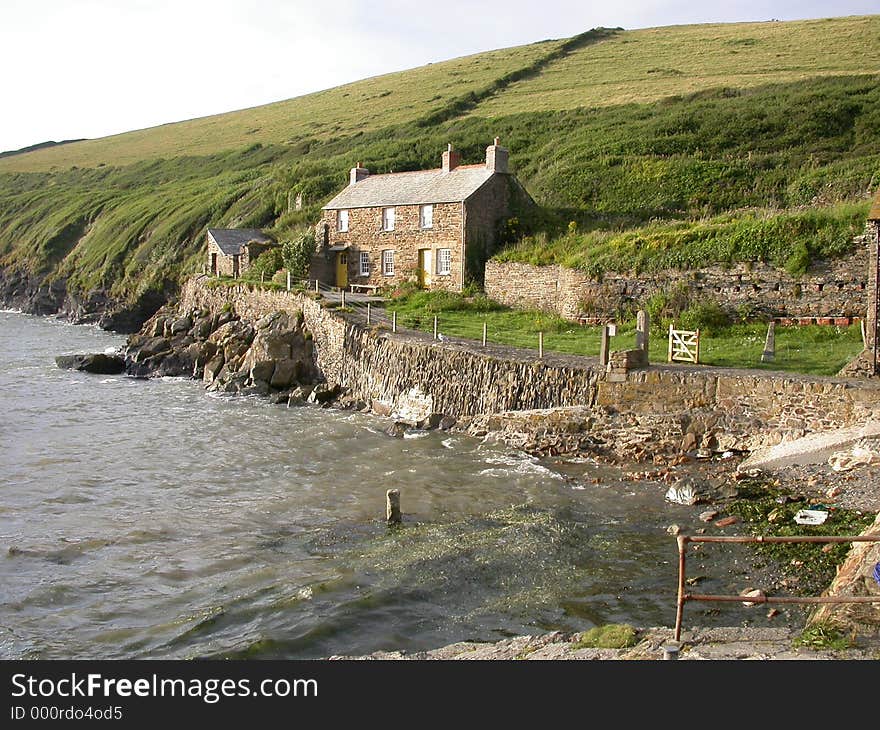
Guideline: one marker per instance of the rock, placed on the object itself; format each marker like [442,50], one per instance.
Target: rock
[152,347]
[396,429]
[98,363]
[261,371]
[157,327]
[432,421]
[181,325]
[446,423]
[726,521]
[673,530]
[324,393]
[752,593]
[284,374]
[212,368]
[689,442]
[380,408]
[708,515]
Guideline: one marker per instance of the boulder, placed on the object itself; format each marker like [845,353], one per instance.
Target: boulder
[212,368]
[99,363]
[324,393]
[261,371]
[284,374]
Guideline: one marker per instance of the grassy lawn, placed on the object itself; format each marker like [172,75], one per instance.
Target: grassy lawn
[807,349]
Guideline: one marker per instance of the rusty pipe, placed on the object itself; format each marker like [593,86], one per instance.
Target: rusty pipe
[682,541]
[781,599]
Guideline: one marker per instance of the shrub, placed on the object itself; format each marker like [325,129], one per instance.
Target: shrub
[297,254]
[707,317]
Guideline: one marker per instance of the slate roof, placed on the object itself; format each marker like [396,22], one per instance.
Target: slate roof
[413,188]
[874,214]
[230,240]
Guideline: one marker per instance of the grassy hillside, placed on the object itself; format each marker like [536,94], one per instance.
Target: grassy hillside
[678,145]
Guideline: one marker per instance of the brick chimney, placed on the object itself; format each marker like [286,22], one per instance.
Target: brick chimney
[496,157]
[451,158]
[357,174]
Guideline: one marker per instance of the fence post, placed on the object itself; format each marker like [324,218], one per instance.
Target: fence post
[288,280]
[343,298]
[540,344]
[435,326]
[643,329]
[769,353]
[697,358]
[317,290]
[669,353]
[484,334]
[603,346]
[394,321]
[368,313]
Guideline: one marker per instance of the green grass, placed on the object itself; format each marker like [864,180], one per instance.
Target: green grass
[807,349]
[761,146]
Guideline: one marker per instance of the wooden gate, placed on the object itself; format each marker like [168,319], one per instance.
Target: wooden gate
[684,345]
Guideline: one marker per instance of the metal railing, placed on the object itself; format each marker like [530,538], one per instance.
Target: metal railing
[683,597]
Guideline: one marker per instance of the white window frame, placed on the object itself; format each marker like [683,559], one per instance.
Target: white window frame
[426,221]
[364,262]
[342,221]
[388,262]
[387,219]
[444,261]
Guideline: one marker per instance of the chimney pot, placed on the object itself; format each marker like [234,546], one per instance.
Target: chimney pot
[451,158]
[496,157]
[357,174]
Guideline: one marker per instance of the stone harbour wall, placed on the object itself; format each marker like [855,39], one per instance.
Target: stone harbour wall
[557,405]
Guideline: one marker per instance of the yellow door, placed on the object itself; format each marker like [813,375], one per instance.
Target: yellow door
[424,267]
[342,269]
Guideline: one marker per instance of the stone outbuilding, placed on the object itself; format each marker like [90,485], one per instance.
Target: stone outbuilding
[437,227]
[231,250]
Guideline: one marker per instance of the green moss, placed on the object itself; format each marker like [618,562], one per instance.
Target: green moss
[824,636]
[610,636]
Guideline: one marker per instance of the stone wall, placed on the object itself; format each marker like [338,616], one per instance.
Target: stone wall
[661,408]
[838,288]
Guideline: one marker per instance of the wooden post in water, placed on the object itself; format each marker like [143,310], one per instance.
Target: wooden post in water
[392,506]
[394,321]
[769,353]
[484,334]
[540,344]
[368,314]
[435,326]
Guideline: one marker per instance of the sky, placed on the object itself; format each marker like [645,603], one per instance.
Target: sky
[92,68]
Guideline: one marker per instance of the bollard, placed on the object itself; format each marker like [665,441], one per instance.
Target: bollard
[484,334]
[540,344]
[769,353]
[392,506]
[435,326]
[368,313]
[670,651]
[394,321]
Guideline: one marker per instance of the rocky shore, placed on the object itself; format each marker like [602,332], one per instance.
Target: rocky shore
[275,356]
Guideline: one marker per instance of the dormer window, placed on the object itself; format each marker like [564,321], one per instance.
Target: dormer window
[387,219]
[342,221]
[426,216]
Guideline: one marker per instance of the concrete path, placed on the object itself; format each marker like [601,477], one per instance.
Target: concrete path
[815,448]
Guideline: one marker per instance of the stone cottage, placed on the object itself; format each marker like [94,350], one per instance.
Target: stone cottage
[436,227]
[231,250]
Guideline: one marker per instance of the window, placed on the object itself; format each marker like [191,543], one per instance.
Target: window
[365,263]
[426,216]
[342,221]
[444,261]
[388,262]
[387,219]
